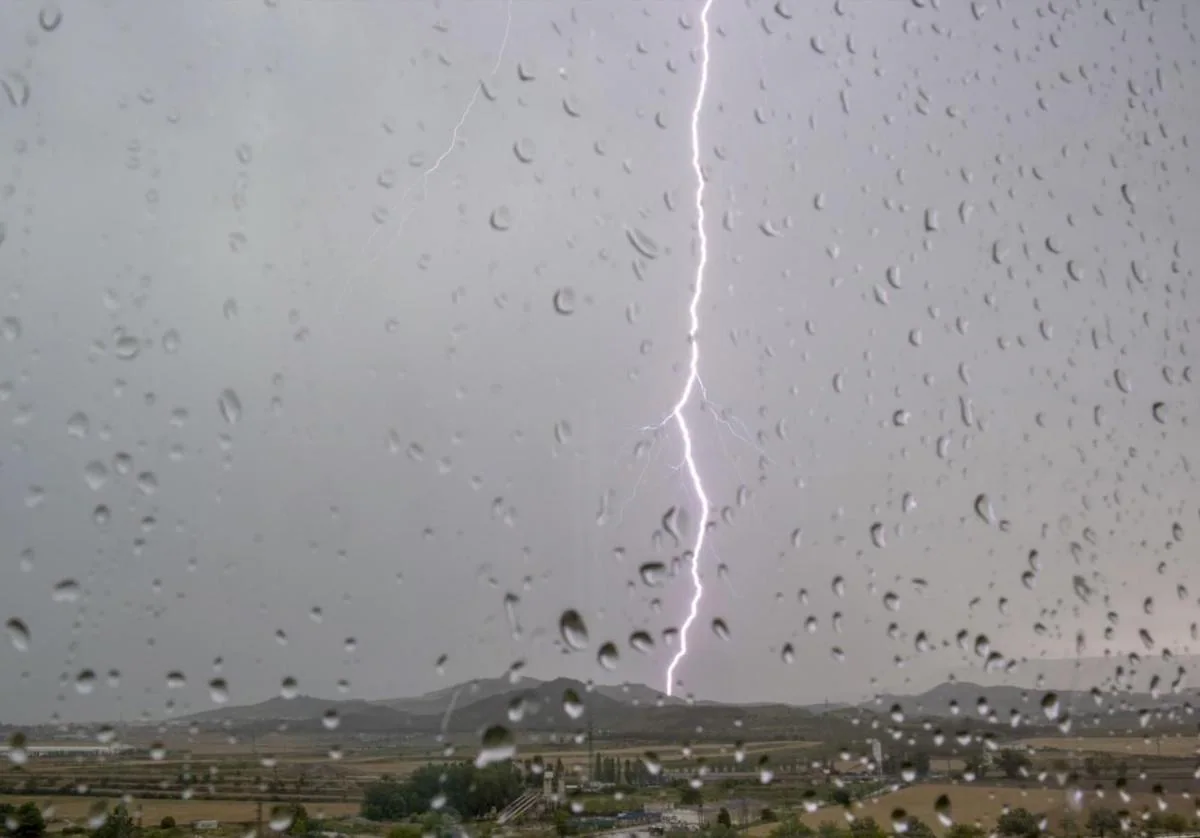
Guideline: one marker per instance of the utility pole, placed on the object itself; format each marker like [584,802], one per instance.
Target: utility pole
[258,817]
[591,753]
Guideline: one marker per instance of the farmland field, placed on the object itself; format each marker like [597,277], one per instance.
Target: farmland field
[184,811]
[1168,746]
[971,803]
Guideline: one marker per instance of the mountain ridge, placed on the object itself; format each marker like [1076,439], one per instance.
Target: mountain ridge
[566,703]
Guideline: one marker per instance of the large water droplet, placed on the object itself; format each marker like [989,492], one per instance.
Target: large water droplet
[653,573]
[95,474]
[127,347]
[97,814]
[571,704]
[281,817]
[1050,705]
[1122,380]
[720,629]
[85,682]
[49,17]
[642,243]
[983,508]
[573,630]
[941,807]
[564,301]
[498,745]
[608,656]
[230,405]
[18,634]
[77,425]
[65,591]
[501,218]
[641,641]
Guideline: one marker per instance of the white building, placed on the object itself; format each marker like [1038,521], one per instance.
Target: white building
[69,750]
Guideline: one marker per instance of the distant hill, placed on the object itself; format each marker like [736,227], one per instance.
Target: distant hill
[638,695]
[561,704]
[1036,707]
[460,695]
[565,705]
[1124,672]
[279,709]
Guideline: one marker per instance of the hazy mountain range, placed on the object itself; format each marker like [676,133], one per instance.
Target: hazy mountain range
[564,704]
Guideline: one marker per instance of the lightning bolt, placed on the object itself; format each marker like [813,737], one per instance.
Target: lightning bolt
[694,364]
[423,180]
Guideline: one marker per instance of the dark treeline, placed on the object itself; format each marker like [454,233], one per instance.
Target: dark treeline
[461,788]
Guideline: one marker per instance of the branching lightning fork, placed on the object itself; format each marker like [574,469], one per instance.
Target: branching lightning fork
[693,378]
[423,180]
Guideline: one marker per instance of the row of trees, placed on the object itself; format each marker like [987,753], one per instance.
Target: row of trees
[461,788]
[24,821]
[1013,763]
[1015,823]
[629,772]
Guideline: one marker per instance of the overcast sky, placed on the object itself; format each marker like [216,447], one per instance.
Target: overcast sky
[268,375]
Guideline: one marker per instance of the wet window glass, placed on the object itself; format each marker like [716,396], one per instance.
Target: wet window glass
[657,418]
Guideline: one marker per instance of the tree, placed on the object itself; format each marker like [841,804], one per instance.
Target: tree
[1018,822]
[405,830]
[437,824]
[768,815]
[690,796]
[1168,822]
[300,824]
[866,827]
[917,828]
[828,829]
[1012,762]
[840,797]
[1103,822]
[790,827]
[723,818]
[30,823]
[965,830]
[562,823]
[720,831]
[167,822]
[118,824]
[473,792]
[920,763]
[977,768]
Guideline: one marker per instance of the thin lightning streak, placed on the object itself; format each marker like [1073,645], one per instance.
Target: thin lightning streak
[694,366]
[423,180]
[739,431]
